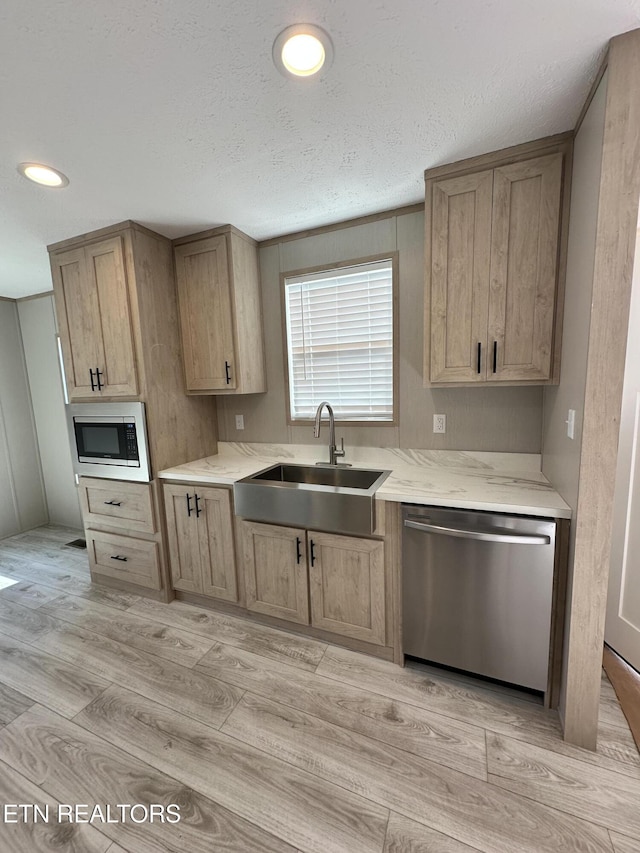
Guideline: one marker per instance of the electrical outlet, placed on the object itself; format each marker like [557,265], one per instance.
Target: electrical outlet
[439,423]
[239,421]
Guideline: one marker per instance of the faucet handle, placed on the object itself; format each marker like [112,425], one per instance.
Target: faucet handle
[340,452]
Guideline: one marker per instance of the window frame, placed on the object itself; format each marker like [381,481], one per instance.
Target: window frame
[338,265]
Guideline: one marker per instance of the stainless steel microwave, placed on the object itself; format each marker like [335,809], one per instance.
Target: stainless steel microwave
[109,440]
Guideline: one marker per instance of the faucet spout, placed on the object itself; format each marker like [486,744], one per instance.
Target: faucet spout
[333,451]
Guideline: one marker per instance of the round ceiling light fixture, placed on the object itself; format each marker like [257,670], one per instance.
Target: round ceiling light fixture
[302,50]
[44,175]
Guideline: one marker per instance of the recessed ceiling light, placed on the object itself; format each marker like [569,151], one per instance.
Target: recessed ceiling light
[302,50]
[44,175]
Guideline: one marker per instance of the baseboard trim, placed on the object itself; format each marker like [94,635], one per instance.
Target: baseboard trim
[626,683]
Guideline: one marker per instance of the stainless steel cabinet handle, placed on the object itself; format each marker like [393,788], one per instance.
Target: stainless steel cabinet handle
[482,535]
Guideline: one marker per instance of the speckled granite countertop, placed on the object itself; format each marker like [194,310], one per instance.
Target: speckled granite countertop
[499,482]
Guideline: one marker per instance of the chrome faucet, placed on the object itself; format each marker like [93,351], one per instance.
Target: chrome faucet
[333,451]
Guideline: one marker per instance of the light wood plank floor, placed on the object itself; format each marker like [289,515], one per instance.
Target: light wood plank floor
[273,742]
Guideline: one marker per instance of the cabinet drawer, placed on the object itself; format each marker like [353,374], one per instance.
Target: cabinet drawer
[116,503]
[122,557]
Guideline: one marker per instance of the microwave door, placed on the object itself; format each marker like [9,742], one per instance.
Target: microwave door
[104,442]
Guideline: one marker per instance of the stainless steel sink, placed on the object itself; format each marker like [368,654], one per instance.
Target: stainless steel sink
[337,499]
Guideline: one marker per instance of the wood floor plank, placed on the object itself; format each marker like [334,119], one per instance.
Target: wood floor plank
[138,633]
[292,804]
[51,553]
[449,742]
[46,679]
[622,844]
[496,712]
[609,799]
[77,767]
[29,594]
[616,750]
[52,532]
[12,703]
[195,694]
[24,623]
[71,582]
[446,800]
[41,836]
[292,649]
[408,836]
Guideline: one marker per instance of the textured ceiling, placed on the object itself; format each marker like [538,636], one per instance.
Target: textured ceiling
[173,114]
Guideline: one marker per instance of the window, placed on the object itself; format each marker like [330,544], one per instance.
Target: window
[340,341]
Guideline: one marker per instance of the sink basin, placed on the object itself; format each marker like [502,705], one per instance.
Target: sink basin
[337,499]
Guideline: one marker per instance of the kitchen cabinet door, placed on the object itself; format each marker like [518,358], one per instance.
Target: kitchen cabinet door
[347,586]
[184,538]
[524,250]
[94,319]
[215,530]
[200,532]
[459,269]
[275,567]
[220,312]
[204,296]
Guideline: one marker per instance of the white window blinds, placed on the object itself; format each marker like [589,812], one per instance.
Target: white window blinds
[340,342]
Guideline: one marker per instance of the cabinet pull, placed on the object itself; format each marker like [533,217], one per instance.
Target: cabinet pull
[198,510]
[298,550]
[312,551]
[121,559]
[93,386]
[100,383]
[227,372]
[189,510]
[479,355]
[495,356]
[113,503]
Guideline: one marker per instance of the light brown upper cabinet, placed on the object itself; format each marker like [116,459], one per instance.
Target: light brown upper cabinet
[94,318]
[493,240]
[117,311]
[220,312]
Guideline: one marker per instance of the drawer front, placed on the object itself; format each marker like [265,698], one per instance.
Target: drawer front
[125,505]
[122,557]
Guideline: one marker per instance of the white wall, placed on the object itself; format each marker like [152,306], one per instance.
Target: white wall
[22,499]
[37,321]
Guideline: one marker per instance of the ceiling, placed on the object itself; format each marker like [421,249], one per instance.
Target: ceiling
[173,114]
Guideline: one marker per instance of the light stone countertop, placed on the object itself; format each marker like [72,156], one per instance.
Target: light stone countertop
[498,482]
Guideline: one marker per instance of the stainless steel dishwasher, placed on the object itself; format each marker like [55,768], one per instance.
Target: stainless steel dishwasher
[477,591]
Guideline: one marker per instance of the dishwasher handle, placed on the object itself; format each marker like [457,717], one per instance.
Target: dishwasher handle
[479,535]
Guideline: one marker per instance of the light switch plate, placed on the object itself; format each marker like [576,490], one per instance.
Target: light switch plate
[571,423]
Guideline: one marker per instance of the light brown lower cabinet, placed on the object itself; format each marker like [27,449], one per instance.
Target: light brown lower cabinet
[124,543]
[275,570]
[336,583]
[346,586]
[200,534]
[124,558]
